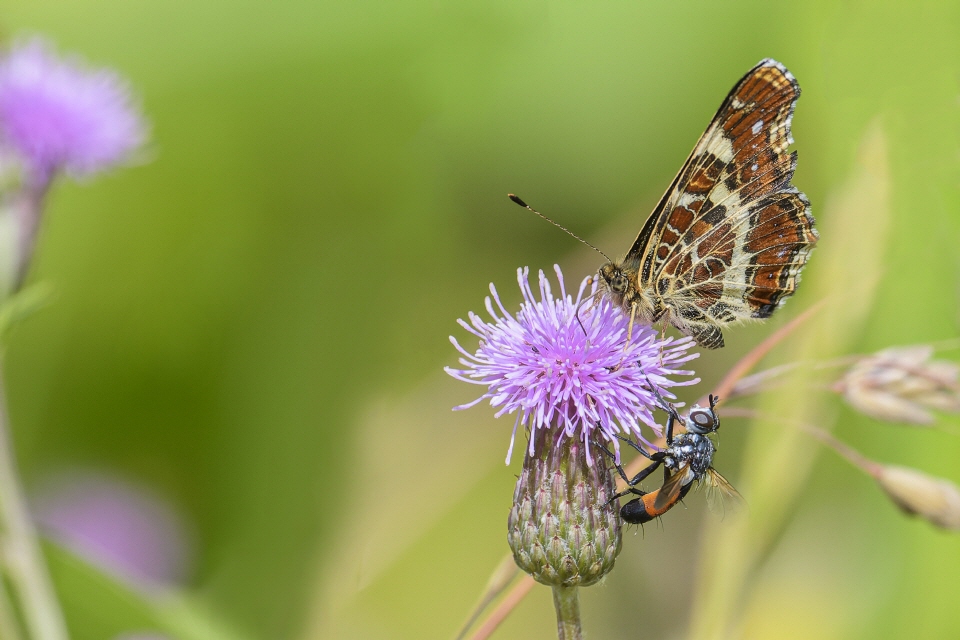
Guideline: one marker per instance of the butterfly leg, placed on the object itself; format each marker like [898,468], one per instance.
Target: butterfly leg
[592,301]
[633,317]
[663,338]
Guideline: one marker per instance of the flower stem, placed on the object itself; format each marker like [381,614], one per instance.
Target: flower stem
[566,600]
[28,213]
[21,557]
[510,601]
[9,628]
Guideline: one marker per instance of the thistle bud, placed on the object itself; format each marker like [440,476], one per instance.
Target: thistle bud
[901,385]
[935,499]
[561,528]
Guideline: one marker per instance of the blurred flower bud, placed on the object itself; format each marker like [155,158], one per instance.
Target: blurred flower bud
[934,499]
[561,528]
[116,524]
[901,384]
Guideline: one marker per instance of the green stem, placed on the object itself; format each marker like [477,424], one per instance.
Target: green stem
[21,555]
[9,626]
[566,600]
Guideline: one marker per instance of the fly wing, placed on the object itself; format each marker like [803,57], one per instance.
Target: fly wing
[670,490]
[721,495]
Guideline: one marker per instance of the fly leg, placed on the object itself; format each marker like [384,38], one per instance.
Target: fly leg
[672,414]
[640,449]
[672,418]
[656,461]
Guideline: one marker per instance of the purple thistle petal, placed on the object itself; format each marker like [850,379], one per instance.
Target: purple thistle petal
[553,373]
[57,114]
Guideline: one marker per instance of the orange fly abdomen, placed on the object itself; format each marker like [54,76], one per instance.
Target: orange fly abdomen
[641,510]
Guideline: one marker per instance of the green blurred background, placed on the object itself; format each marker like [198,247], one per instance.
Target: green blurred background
[253,323]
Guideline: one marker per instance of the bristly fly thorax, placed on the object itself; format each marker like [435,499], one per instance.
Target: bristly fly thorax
[694,447]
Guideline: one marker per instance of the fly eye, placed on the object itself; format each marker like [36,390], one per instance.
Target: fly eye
[702,418]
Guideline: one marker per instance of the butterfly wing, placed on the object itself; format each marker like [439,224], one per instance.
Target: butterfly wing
[721,495]
[728,239]
[670,491]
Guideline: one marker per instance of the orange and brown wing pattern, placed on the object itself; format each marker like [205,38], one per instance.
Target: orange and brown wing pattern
[728,240]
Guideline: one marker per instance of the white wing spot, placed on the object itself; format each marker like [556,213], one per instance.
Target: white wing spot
[687,198]
[721,147]
[719,193]
[757,126]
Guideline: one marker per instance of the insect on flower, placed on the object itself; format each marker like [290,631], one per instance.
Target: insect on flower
[569,379]
[574,376]
[687,458]
[728,239]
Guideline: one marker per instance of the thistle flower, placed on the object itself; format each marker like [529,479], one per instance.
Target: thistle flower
[56,114]
[570,380]
[901,384]
[556,374]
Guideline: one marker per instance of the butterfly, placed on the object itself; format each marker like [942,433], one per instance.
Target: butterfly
[728,239]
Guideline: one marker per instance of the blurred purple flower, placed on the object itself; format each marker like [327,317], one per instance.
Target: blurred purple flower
[115,524]
[554,374]
[58,114]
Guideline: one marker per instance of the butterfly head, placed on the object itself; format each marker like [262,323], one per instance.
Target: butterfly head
[703,420]
[615,279]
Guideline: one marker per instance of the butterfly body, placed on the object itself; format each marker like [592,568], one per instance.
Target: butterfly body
[645,305]
[664,304]
[728,239]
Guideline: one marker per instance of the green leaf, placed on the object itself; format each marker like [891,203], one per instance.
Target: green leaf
[22,305]
[101,607]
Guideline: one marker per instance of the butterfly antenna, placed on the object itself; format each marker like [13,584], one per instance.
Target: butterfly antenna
[577,314]
[523,204]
